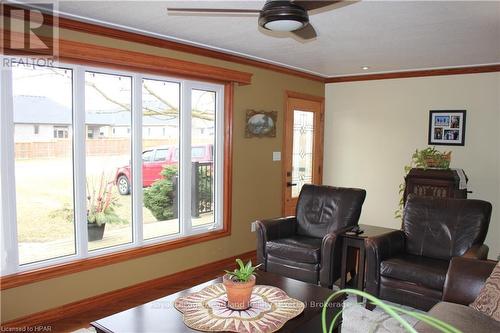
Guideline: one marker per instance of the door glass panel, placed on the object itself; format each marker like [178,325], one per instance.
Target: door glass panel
[108,116]
[202,157]
[160,136]
[43,136]
[302,153]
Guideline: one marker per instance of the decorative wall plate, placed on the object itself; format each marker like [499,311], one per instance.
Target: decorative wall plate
[206,310]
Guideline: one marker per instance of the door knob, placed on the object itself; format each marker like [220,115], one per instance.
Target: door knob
[289,184]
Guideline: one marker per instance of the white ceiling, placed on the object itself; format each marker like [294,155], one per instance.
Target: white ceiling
[386,36]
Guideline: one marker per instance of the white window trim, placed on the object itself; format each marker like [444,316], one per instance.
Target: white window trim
[79,165]
[10,255]
[9,251]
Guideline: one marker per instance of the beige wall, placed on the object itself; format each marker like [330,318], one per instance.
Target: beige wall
[256,194]
[373,127]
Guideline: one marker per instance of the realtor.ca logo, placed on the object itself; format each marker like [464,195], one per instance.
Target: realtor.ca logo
[29,32]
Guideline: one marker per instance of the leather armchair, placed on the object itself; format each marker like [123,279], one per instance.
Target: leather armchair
[410,266]
[306,247]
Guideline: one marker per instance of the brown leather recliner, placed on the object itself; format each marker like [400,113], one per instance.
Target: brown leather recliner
[306,247]
[409,266]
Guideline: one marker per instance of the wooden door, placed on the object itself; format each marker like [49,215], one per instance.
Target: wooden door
[302,146]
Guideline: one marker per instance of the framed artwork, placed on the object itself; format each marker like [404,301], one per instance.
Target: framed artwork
[447,127]
[260,124]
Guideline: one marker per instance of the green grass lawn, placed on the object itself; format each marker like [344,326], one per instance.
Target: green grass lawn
[46,185]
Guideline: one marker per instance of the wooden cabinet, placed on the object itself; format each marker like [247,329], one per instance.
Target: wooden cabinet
[435,183]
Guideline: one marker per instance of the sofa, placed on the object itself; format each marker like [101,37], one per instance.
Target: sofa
[464,280]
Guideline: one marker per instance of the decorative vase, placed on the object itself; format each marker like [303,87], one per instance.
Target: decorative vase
[238,293]
[95,231]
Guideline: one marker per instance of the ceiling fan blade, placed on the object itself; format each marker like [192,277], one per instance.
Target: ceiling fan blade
[306,32]
[213,10]
[313,4]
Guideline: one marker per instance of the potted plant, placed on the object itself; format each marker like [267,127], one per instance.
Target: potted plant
[101,204]
[426,158]
[429,158]
[239,285]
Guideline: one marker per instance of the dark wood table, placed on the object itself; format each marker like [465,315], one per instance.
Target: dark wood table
[161,316]
[353,241]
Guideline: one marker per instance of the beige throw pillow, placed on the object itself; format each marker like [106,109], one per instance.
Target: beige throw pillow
[488,300]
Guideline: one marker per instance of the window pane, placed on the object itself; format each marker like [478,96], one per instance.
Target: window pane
[43,162]
[202,157]
[161,155]
[146,156]
[108,119]
[160,134]
[303,144]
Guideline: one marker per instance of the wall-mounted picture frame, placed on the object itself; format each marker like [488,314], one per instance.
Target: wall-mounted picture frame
[447,127]
[260,124]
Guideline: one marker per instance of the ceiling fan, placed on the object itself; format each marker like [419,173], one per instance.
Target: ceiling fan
[276,15]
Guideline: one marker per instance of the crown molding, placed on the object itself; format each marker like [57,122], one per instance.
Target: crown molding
[416,73]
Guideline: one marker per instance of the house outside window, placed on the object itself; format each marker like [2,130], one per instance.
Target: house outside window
[60,132]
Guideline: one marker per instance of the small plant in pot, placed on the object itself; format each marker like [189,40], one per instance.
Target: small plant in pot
[426,158]
[239,285]
[101,204]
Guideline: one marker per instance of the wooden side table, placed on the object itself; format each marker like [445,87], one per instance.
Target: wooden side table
[357,242]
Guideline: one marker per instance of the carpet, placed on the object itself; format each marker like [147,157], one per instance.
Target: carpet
[357,319]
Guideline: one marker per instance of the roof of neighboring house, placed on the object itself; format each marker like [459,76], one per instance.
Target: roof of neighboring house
[40,110]
[43,110]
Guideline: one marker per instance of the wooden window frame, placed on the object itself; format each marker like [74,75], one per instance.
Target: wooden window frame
[108,58]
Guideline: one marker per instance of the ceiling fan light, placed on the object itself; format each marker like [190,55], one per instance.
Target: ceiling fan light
[284,25]
[283,16]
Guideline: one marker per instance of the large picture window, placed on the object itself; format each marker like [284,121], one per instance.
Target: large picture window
[117,160]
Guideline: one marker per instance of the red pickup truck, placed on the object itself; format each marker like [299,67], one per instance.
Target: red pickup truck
[153,162]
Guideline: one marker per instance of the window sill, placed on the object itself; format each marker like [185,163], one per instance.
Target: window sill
[27,277]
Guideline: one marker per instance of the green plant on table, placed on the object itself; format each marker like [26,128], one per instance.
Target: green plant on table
[429,157]
[426,158]
[244,272]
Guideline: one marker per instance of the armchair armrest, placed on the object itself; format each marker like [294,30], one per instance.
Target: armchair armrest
[331,250]
[270,229]
[378,249]
[465,278]
[478,251]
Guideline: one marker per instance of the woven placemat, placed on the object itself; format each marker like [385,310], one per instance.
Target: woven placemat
[206,310]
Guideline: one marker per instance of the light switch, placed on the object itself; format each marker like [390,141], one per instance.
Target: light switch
[276,156]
